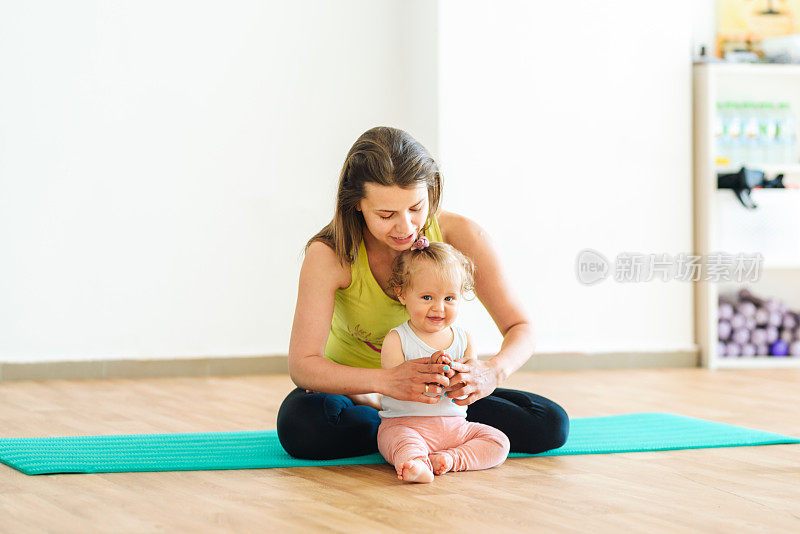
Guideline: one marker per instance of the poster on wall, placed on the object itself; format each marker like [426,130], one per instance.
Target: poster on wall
[742,25]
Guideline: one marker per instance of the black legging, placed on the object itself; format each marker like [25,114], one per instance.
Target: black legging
[319,426]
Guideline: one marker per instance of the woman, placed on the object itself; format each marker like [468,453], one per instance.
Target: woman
[388,196]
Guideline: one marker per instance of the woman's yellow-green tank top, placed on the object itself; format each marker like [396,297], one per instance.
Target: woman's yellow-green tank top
[363,314]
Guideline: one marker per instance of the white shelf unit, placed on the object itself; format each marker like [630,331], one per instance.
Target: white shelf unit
[722,224]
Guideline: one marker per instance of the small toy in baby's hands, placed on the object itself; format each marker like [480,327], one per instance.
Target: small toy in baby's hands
[441,357]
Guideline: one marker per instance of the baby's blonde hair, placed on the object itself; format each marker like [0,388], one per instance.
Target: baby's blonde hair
[446,258]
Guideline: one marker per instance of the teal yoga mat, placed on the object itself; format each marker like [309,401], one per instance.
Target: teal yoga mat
[261,449]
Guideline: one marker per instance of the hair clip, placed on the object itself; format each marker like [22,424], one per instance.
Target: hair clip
[420,243]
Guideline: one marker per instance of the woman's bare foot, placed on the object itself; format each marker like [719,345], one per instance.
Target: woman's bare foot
[441,462]
[414,471]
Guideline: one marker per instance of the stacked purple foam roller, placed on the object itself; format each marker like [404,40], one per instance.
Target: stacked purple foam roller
[751,326]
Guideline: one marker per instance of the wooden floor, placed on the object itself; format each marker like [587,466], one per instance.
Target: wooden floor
[711,490]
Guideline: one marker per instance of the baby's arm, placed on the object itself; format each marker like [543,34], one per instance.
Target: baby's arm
[392,351]
[469,352]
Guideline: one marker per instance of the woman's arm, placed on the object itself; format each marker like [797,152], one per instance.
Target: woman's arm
[496,294]
[320,276]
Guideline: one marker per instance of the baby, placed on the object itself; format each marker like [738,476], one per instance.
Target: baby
[420,439]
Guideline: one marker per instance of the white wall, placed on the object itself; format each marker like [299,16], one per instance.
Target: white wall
[565,127]
[163,163]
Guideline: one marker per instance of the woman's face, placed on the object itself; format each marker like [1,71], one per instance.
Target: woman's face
[395,215]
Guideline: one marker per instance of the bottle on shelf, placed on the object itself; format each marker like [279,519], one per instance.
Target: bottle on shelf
[786,134]
[750,140]
[755,133]
[721,135]
[729,143]
[767,133]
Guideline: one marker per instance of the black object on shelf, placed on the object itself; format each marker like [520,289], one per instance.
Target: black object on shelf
[744,181]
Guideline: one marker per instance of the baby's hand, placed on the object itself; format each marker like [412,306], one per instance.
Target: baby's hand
[440,357]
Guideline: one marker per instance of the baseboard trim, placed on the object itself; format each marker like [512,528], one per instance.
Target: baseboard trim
[247,365]
[254,365]
[574,361]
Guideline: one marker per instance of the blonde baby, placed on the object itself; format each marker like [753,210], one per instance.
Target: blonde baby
[422,440]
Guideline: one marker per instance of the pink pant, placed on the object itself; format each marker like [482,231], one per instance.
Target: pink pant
[473,446]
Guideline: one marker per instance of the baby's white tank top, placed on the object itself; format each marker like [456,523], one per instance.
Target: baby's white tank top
[413,348]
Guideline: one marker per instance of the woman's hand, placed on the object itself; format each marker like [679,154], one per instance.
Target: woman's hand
[474,378]
[409,380]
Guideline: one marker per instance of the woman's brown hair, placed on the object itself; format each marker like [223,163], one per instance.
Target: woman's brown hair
[384,156]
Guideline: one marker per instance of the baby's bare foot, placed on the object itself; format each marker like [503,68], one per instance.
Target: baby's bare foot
[441,462]
[414,471]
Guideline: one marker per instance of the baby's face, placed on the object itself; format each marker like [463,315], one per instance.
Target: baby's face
[432,301]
